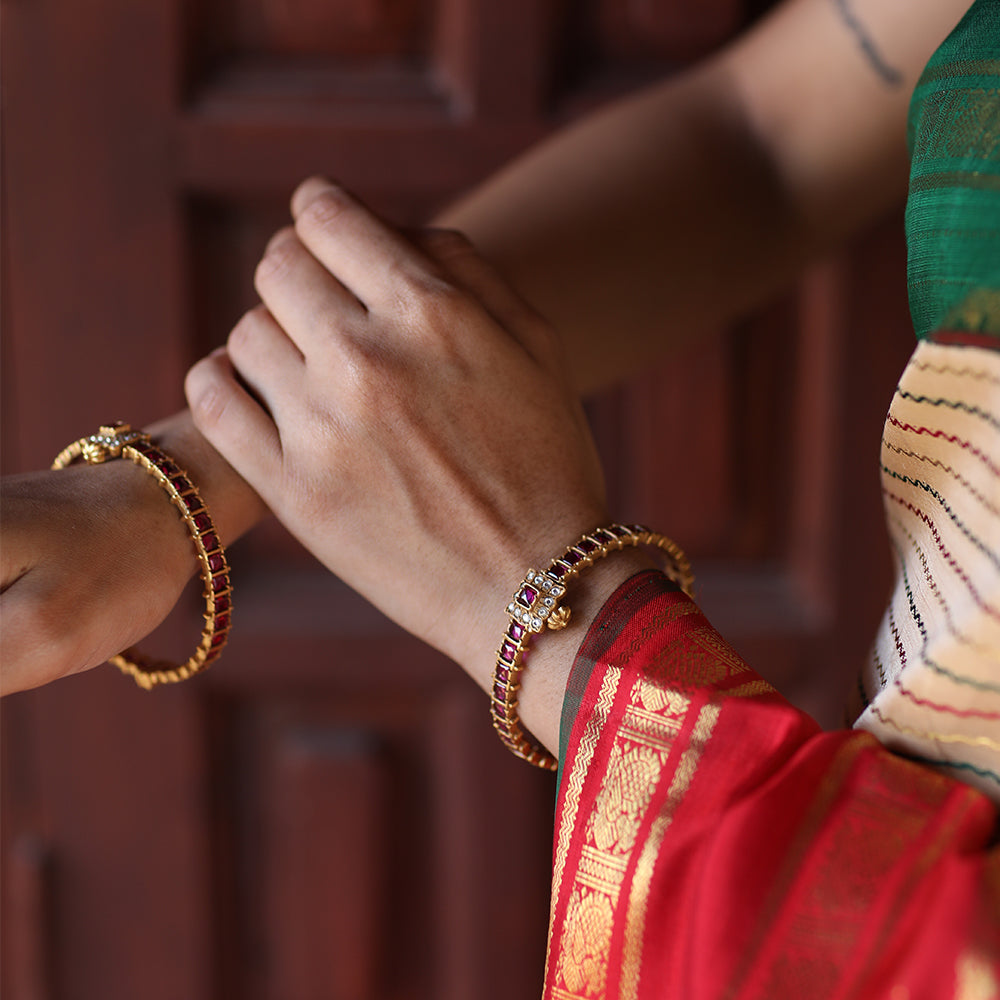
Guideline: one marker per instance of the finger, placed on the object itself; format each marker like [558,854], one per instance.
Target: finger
[307,301]
[266,359]
[367,256]
[235,423]
[306,192]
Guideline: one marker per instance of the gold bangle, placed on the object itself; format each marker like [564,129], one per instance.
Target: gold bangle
[536,604]
[121,441]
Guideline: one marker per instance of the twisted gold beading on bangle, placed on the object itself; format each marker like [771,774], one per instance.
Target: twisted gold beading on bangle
[120,441]
[536,604]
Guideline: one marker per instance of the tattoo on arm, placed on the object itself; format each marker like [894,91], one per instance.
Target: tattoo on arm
[888,74]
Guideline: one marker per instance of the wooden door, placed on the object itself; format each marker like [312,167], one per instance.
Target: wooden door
[327,814]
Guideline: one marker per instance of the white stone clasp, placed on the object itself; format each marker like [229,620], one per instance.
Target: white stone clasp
[536,600]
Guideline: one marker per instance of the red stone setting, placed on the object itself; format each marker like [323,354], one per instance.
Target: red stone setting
[216,562]
[210,541]
[508,651]
[220,583]
[202,522]
[221,603]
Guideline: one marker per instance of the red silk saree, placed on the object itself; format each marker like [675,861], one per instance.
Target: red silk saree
[711,841]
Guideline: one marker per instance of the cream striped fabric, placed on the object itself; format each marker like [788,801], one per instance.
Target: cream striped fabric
[932,685]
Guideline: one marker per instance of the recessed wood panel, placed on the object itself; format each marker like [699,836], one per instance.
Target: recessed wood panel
[349,846]
[301,57]
[325,791]
[336,29]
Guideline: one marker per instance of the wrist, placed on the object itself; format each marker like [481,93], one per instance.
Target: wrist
[539,603]
[121,441]
[551,657]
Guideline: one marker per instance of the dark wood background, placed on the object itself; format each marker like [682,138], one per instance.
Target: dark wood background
[327,813]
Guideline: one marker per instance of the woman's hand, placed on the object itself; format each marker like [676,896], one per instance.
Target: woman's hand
[78,584]
[406,416]
[93,557]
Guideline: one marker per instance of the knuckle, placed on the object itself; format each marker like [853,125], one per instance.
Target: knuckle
[243,329]
[545,343]
[283,235]
[242,338]
[279,258]
[428,305]
[445,244]
[204,394]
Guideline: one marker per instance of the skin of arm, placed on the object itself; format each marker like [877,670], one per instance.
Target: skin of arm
[655,218]
[677,209]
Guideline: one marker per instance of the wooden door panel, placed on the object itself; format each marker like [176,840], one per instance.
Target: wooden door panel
[327,813]
[349,828]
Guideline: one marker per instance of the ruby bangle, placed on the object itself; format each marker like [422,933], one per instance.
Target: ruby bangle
[121,441]
[536,605]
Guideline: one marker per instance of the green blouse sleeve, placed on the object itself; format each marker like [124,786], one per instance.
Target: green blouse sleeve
[953,211]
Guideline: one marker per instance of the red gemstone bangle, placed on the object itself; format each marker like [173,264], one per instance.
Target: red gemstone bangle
[536,605]
[120,441]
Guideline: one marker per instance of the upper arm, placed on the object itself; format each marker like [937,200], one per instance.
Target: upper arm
[825,85]
[678,208]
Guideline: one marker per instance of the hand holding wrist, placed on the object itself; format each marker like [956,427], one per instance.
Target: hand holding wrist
[410,420]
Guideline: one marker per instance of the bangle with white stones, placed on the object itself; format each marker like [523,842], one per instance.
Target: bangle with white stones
[536,604]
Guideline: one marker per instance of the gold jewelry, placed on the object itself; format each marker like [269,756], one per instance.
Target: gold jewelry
[121,441]
[536,604]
